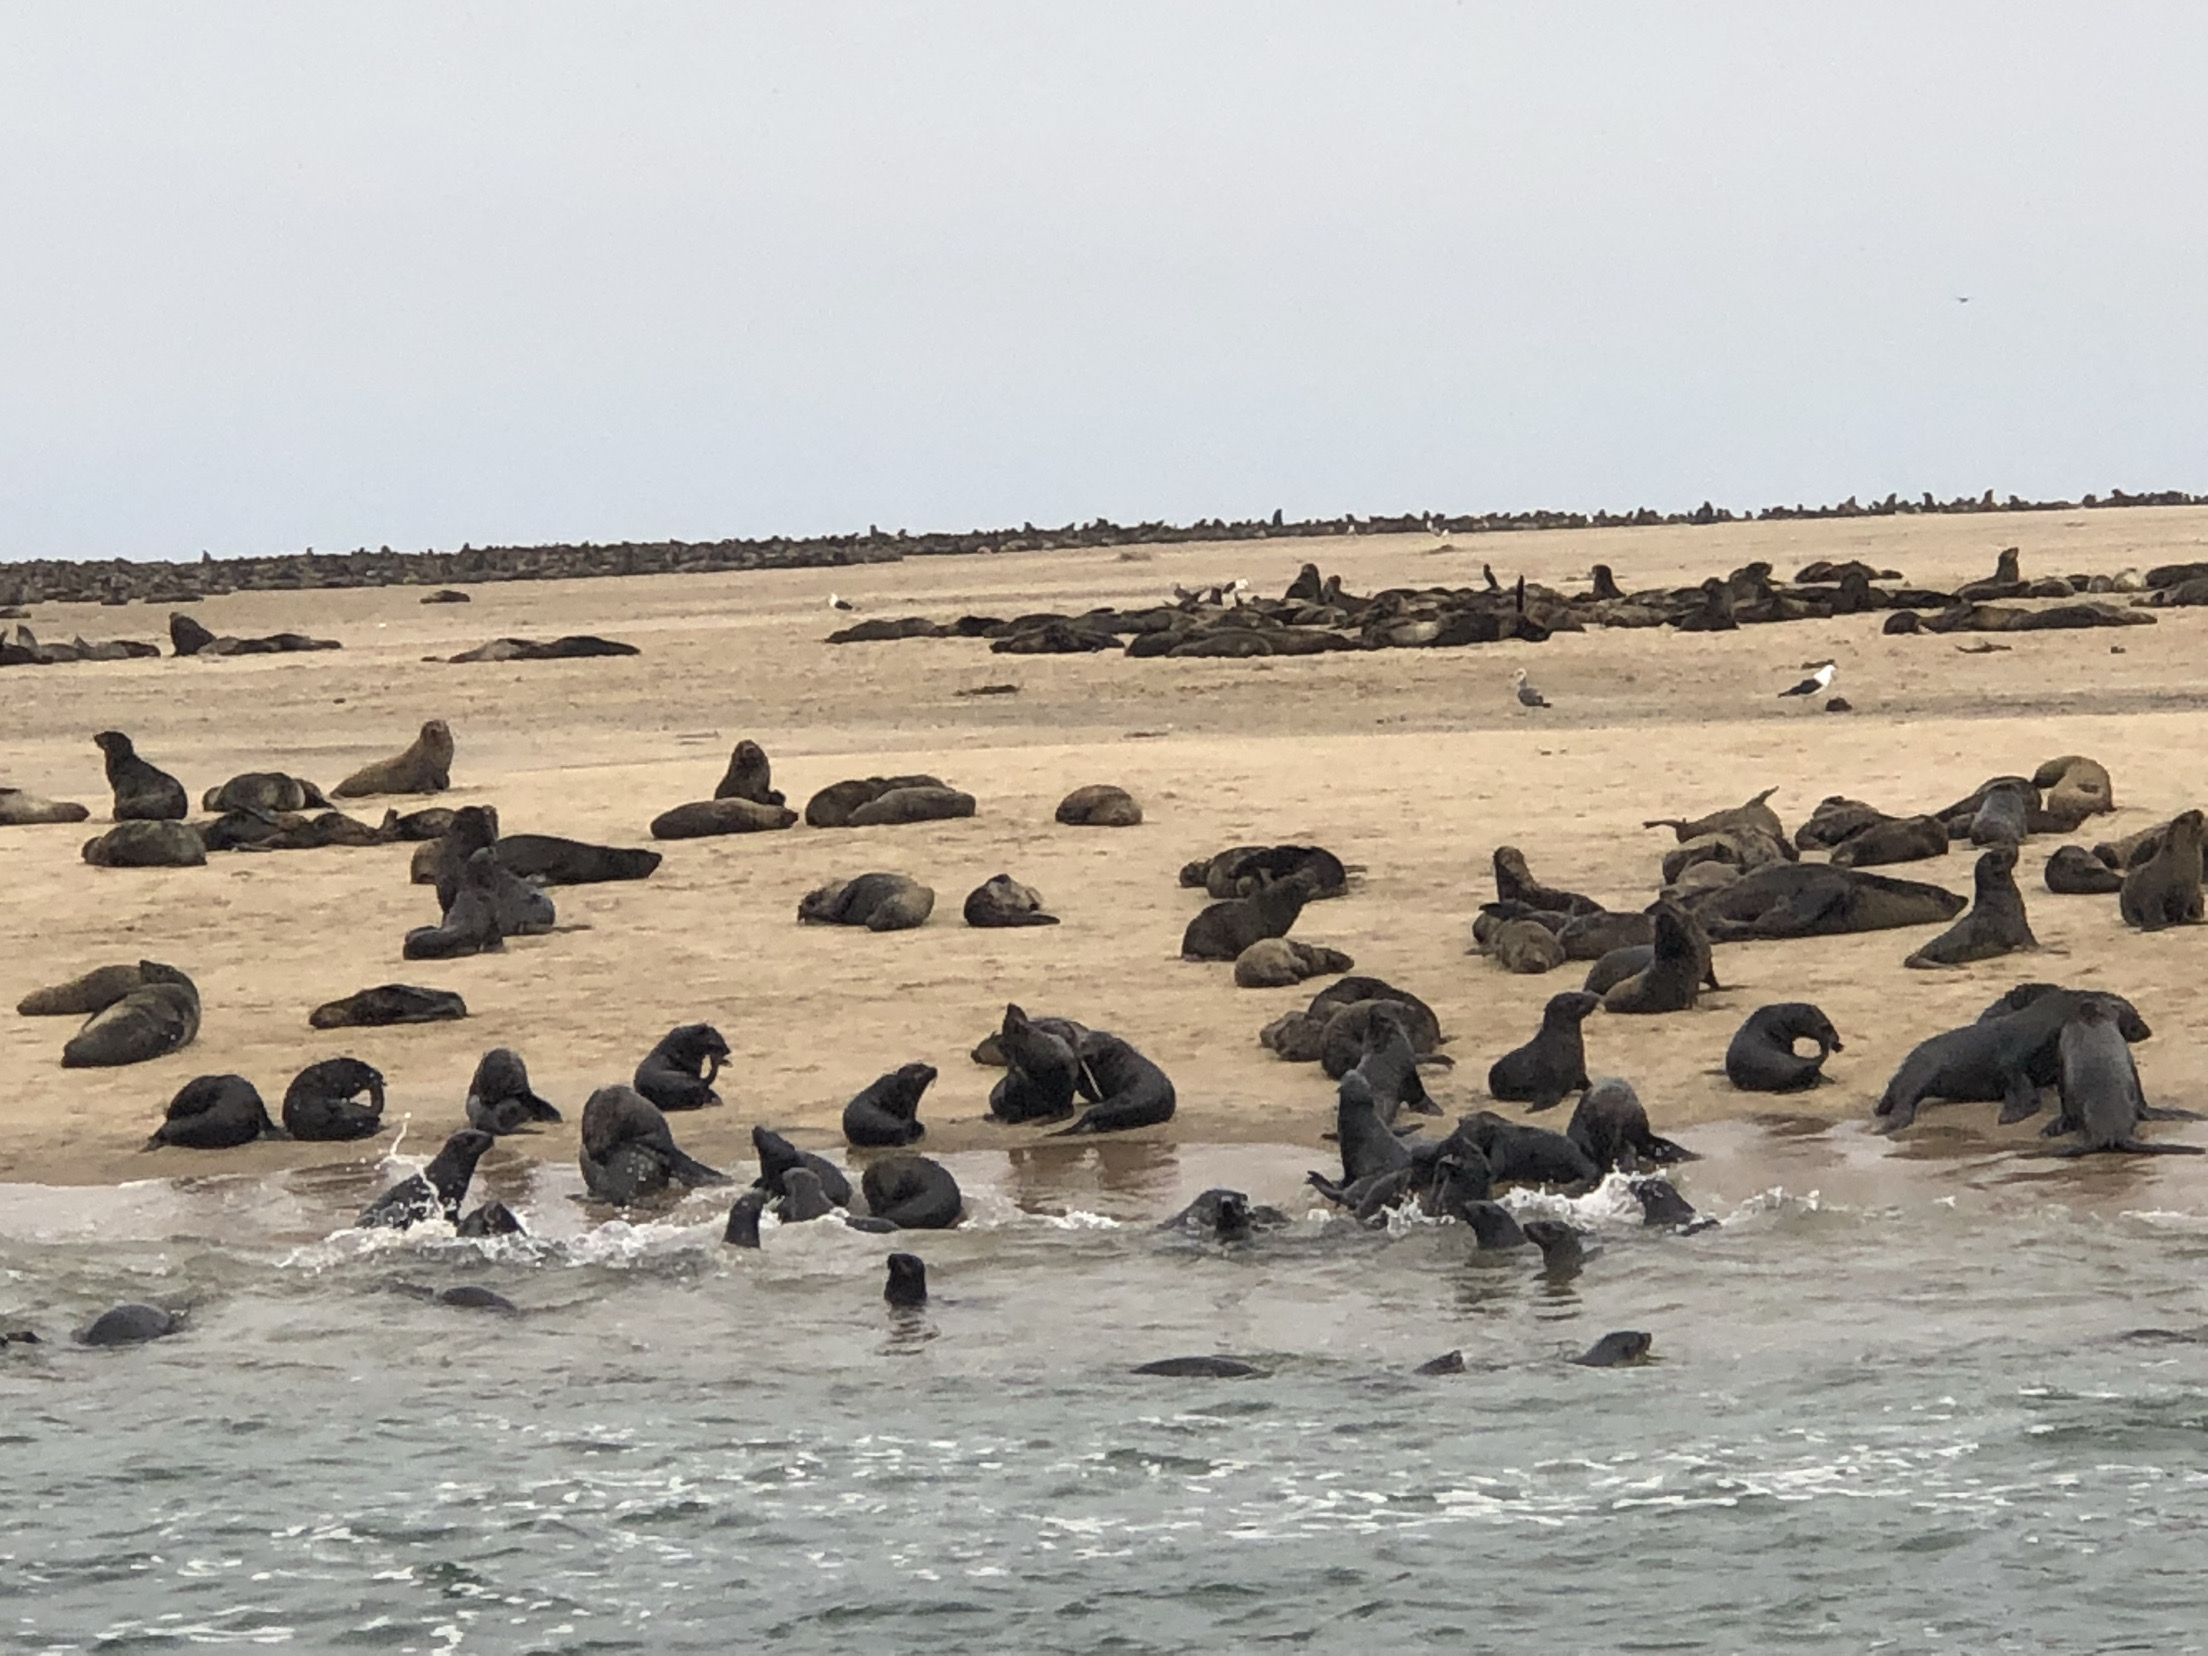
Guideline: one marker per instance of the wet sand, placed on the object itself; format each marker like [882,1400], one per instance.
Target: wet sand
[1412,764]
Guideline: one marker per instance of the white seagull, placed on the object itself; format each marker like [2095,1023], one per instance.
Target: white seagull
[1528,696]
[836,603]
[1818,681]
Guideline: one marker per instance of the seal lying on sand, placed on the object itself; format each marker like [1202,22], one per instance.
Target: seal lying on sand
[21,809]
[321,1102]
[1527,947]
[1003,901]
[1331,1030]
[749,776]
[912,1193]
[214,1112]
[2008,1055]
[142,792]
[1514,883]
[705,818]
[1762,1058]
[1099,805]
[1127,1090]
[1995,924]
[436,1191]
[1543,1072]
[887,1112]
[144,843]
[2102,1100]
[1245,870]
[425,767]
[1041,1071]
[1223,930]
[550,860]
[2073,788]
[1610,1126]
[1755,814]
[264,791]
[832,806]
[500,1100]
[150,1021]
[678,1073]
[879,902]
[1277,962]
[1897,840]
[95,991]
[2073,871]
[628,1153]
[2165,890]
[389,1003]
[1808,900]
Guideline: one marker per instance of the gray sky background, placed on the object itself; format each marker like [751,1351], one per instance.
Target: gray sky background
[330,275]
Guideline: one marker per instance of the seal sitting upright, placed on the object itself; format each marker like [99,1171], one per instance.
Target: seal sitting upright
[750,776]
[1995,924]
[142,792]
[628,1153]
[438,1190]
[1553,1065]
[500,1100]
[887,1113]
[425,767]
[678,1073]
[2101,1095]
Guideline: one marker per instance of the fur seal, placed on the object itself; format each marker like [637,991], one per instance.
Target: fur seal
[1591,936]
[264,791]
[470,925]
[1672,979]
[1525,947]
[907,1286]
[1624,1349]
[832,806]
[431,822]
[1223,930]
[1245,870]
[705,818]
[879,902]
[1389,1062]
[1563,1248]
[1895,840]
[2165,890]
[912,1193]
[628,1153]
[130,1325]
[887,1113]
[491,1219]
[1099,805]
[150,1021]
[1813,900]
[1518,1154]
[1610,1126]
[143,793]
[2073,871]
[1995,924]
[94,991]
[749,776]
[548,859]
[389,1003]
[425,767]
[1616,966]
[519,908]
[436,1191]
[1514,882]
[214,1112]
[1041,1072]
[1202,1368]
[1126,1089]
[2102,1100]
[2004,815]
[903,805]
[678,1073]
[499,1097]
[1762,1058]
[320,1102]
[1343,1039]
[1225,1216]
[2073,788]
[803,1199]
[779,1158]
[2008,1055]
[1551,1065]
[1661,1204]
[145,843]
[742,1229]
[1278,962]
[1003,901]
[1755,814]
[22,809]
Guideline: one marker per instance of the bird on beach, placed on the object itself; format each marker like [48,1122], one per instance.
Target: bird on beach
[1819,680]
[1528,696]
[836,603]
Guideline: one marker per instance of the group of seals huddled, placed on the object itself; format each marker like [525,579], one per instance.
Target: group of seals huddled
[1049,1063]
[132,1013]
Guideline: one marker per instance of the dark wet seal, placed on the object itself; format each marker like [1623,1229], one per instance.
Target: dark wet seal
[1620,1350]
[1661,1204]
[130,1325]
[743,1220]
[472,1297]
[1449,1362]
[19,1336]
[1202,1368]
[907,1286]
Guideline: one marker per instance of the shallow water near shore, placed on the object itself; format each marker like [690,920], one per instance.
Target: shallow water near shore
[1970,1414]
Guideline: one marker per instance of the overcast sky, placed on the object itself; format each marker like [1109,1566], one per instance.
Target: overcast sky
[333,275]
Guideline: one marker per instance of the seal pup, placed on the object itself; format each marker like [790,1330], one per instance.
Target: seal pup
[1278,962]
[150,1021]
[1672,979]
[879,902]
[389,1003]
[1002,901]
[214,1112]
[678,1073]
[749,776]
[1125,1088]
[130,1325]
[1628,1346]
[912,1193]
[470,925]
[887,1113]
[2102,1100]
[1553,1064]
[2073,871]
[2165,890]
[437,1190]
[1525,947]
[1762,1058]
[907,1287]
[425,767]
[1389,1064]
[499,1097]
[1995,924]
[1041,1069]
[1224,929]
[320,1103]
[742,1229]
[1610,1127]
[628,1153]
[143,793]
[779,1158]
[1514,883]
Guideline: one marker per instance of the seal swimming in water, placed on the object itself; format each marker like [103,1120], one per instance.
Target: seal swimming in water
[436,1191]
[907,1287]
[803,1198]
[1672,979]
[1099,805]
[742,1229]
[2008,1055]
[1518,1154]
[1610,1127]
[425,767]
[491,1219]
[679,1072]
[499,1097]
[1202,1368]
[1625,1348]
[1762,1058]
[1813,900]
[2073,871]
[1041,1072]
[879,902]
[130,1325]
[2102,1100]
[628,1153]
[887,1112]
[1514,883]
[1224,929]
[143,793]
[1553,1064]
[1995,924]
[1002,901]
[749,776]
[1225,1216]
[2165,890]
[1127,1090]
[214,1112]
[779,1158]
[389,1003]
[150,1021]
[320,1102]
[912,1193]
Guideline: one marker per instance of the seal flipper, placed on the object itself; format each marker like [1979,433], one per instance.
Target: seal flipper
[2127,1147]
[1664,1151]
[2019,1096]
[2167,1112]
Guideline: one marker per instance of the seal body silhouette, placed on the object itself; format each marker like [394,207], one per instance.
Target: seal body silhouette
[629,1154]
[324,1101]
[887,1112]
[1762,1058]
[143,793]
[214,1112]
[912,1193]
[425,767]
[1551,1066]
[437,1191]
[679,1072]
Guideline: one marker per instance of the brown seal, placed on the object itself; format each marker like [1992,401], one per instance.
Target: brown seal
[1277,962]
[141,844]
[1754,814]
[1223,930]
[1672,979]
[2073,788]
[1895,840]
[1002,901]
[706,817]
[879,902]
[1100,805]
[1995,923]
[2165,890]
[2073,871]
[1514,883]
[425,767]
[750,776]
[833,805]
[1526,947]
[20,809]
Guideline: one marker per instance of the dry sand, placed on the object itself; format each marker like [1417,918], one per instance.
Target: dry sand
[1413,764]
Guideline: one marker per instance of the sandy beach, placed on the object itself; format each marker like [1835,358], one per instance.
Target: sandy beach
[1412,765]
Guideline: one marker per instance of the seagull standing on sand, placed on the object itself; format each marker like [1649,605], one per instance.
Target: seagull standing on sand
[1528,696]
[1818,681]
[836,603]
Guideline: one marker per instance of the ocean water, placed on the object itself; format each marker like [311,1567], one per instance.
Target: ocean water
[1901,1402]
